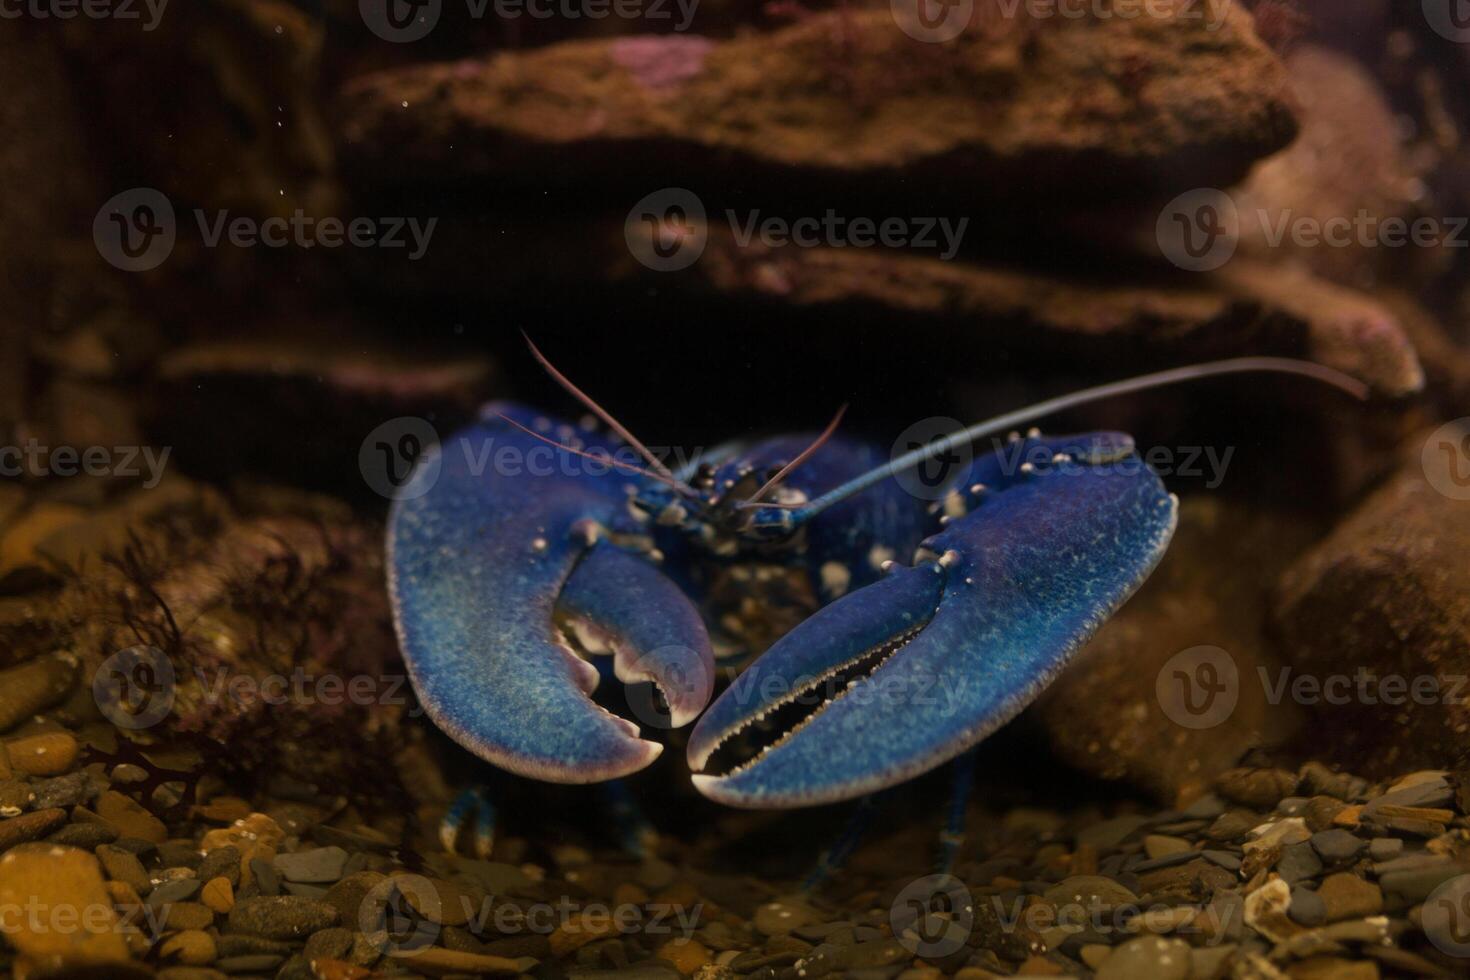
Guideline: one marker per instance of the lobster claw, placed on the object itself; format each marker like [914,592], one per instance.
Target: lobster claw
[501,551]
[908,672]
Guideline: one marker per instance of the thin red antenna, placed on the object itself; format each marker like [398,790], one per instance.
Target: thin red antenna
[600,457]
[612,423]
[805,455]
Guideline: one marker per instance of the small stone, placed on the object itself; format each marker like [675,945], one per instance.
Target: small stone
[779,918]
[1332,968]
[179,854]
[1279,833]
[29,827]
[1315,778]
[122,865]
[258,963]
[222,862]
[1150,956]
[281,917]
[1307,908]
[1088,892]
[130,818]
[70,790]
[1346,896]
[1225,859]
[438,962]
[334,943]
[189,915]
[1336,846]
[1298,862]
[263,873]
[1159,845]
[1266,910]
[1232,825]
[192,947]
[218,895]
[689,956]
[66,881]
[321,865]
[48,754]
[87,836]
[33,687]
[1259,788]
[1385,848]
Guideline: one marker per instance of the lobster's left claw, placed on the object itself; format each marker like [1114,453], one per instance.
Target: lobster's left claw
[495,566]
[912,670]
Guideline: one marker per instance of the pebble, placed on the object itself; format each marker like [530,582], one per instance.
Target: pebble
[1307,907]
[222,862]
[321,865]
[263,873]
[33,687]
[29,827]
[1298,862]
[1346,896]
[1385,848]
[130,818]
[47,754]
[218,894]
[1159,845]
[191,947]
[334,943]
[87,836]
[65,880]
[689,956]
[63,791]
[1225,859]
[123,865]
[258,963]
[189,915]
[1337,846]
[779,918]
[177,890]
[438,961]
[1232,825]
[281,917]
[1259,788]
[1415,885]
[1152,957]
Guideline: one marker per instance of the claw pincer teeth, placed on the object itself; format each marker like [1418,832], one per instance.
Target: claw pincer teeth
[951,648]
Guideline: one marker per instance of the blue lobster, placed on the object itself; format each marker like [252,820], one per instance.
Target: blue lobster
[524,547]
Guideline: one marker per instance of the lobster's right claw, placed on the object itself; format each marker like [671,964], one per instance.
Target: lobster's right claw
[914,669]
[494,558]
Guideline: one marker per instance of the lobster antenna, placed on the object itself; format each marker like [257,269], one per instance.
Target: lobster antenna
[1023,416]
[602,413]
[802,457]
[600,457]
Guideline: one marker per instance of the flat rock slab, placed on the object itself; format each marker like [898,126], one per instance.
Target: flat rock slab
[1035,108]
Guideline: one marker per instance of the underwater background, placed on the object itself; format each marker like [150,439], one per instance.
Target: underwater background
[262,259]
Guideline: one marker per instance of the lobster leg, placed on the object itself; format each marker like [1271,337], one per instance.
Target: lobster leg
[926,662]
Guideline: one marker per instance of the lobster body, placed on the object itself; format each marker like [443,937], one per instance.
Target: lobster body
[518,553]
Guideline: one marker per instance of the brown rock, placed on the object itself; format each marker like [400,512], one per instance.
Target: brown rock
[1259,788]
[130,817]
[50,754]
[988,106]
[29,826]
[1349,897]
[33,687]
[80,926]
[1385,602]
[1119,710]
[1350,157]
[192,947]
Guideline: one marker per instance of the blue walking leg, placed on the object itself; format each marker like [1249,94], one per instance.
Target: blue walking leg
[952,837]
[635,833]
[836,856]
[474,801]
